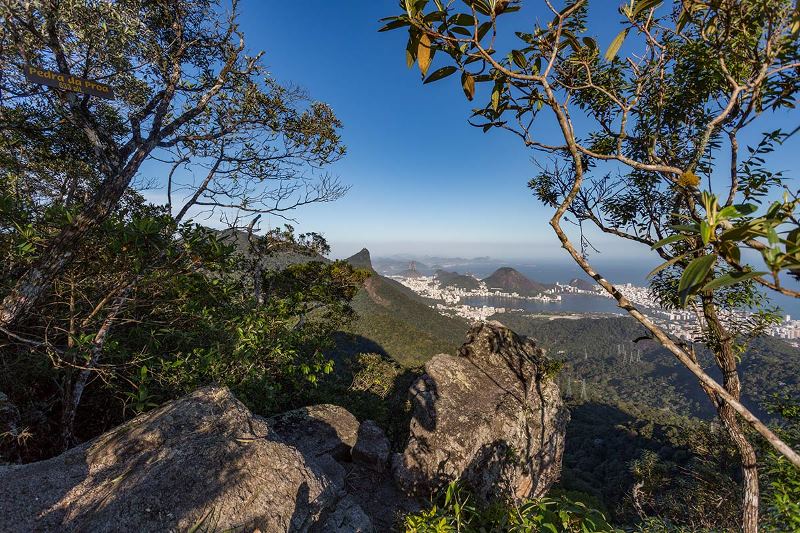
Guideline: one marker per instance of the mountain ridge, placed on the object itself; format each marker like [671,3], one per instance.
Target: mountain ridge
[395,320]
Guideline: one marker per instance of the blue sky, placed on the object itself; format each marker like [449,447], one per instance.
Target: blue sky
[423,180]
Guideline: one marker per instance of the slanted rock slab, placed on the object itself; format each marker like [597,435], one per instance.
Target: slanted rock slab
[203,462]
[323,429]
[491,416]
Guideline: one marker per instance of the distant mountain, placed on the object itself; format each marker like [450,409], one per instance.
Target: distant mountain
[395,321]
[361,259]
[509,280]
[412,271]
[454,279]
[581,284]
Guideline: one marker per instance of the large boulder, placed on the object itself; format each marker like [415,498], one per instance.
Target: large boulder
[203,462]
[491,416]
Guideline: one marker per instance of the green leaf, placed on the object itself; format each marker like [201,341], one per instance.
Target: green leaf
[461,31]
[483,29]
[519,58]
[662,266]
[440,74]
[751,229]
[737,211]
[468,83]
[616,44]
[411,50]
[668,240]
[731,278]
[772,236]
[705,232]
[644,5]
[496,95]
[694,275]
[694,228]
[394,25]
[462,19]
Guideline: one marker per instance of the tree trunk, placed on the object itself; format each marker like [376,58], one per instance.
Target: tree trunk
[722,347]
[73,392]
[60,251]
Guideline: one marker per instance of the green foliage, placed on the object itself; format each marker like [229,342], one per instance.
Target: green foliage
[725,231]
[112,305]
[393,320]
[190,318]
[781,478]
[455,511]
[589,350]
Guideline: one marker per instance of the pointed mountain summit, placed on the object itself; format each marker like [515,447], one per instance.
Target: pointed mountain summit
[361,259]
[508,279]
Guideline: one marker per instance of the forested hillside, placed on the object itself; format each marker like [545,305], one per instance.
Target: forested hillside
[604,354]
[393,320]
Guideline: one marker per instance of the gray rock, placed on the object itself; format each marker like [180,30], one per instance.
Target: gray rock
[318,430]
[348,518]
[203,460]
[372,446]
[491,416]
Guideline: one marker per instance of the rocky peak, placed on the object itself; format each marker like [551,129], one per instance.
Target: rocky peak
[361,259]
[581,284]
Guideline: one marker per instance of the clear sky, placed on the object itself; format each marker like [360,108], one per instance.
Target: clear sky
[423,180]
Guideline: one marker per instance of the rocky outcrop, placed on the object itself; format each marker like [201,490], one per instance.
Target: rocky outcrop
[372,447]
[318,430]
[202,462]
[361,260]
[491,416]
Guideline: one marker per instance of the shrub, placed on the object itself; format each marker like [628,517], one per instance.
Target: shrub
[455,511]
